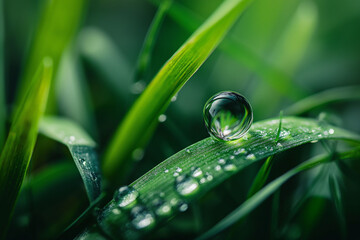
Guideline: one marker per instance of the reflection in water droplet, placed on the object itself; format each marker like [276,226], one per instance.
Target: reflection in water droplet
[217,168]
[331,131]
[240,151]
[125,196]
[186,185]
[142,218]
[183,207]
[228,116]
[187,150]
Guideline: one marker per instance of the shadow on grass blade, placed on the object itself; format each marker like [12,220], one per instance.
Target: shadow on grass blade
[2,80]
[19,146]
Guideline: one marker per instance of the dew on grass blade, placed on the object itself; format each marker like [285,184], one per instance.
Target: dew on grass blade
[186,185]
[142,218]
[228,116]
[125,196]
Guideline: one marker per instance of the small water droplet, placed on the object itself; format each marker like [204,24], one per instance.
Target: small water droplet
[187,150]
[71,139]
[178,169]
[217,168]
[228,116]
[125,196]
[138,87]
[162,118]
[161,208]
[314,141]
[279,145]
[229,166]
[232,157]
[240,151]
[250,157]
[221,161]
[183,207]
[138,154]
[176,174]
[173,99]
[166,170]
[331,131]
[186,185]
[196,172]
[83,161]
[142,218]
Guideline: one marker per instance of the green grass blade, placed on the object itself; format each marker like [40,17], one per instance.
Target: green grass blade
[81,147]
[336,196]
[326,97]
[72,92]
[275,77]
[2,80]
[146,51]
[104,57]
[16,155]
[56,27]
[264,171]
[169,80]
[258,143]
[268,190]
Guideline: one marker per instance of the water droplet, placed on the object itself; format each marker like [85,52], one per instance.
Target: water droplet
[221,161]
[331,131]
[71,139]
[187,150]
[250,157]
[232,157]
[83,161]
[196,172]
[125,196]
[138,87]
[162,118]
[138,154]
[178,169]
[228,116]
[176,174]
[229,166]
[161,208]
[240,151]
[173,99]
[186,185]
[314,141]
[183,207]
[142,218]
[217,168]
[166,170]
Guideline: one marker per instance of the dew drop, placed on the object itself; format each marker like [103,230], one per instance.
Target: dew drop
[250,157]
[178,169]
[239,151]
[138,154]
[187,150]
[142,218]
[228,116]
[331,131]
[183,207]
[217,168]
[125,196]
[162,118]
[186,185]
[166,170]
[196,172]
[161,208]
[229,167]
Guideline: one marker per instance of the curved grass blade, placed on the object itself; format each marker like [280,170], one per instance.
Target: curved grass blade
[16,154]
[268,190]
[169,80]
[2,80]
[81,147]
[323,98]
[146,51]
[275,77]
[57,25]
[73,92]
[336,196]
[217,161]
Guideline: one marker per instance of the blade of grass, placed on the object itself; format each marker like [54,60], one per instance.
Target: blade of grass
[72,91]
[264,171]
[336,196]
[150,39]
[2,80]
[257,144]
[16,155]
[169,80]
[276,78]
[104,57]
[326,97]
[81,147]
[56,27]
[268,190]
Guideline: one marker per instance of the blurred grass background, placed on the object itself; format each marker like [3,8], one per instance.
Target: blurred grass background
[279,52]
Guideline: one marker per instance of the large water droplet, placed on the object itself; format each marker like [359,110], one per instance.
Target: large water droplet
[125,196]
[228,116]
[186,185]
[142,218]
